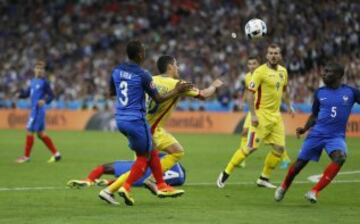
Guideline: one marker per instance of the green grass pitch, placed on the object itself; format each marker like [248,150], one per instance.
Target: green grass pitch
[21,200]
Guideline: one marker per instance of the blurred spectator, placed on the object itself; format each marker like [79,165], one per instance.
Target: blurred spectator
[83,41]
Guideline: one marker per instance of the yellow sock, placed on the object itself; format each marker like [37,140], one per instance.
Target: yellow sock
[285,156]
[272,160]
[118,183]
[170,160]
[236,159]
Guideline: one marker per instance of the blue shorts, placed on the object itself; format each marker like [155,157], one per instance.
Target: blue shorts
[36,121]
[313,146]
[175,176]
[138,134]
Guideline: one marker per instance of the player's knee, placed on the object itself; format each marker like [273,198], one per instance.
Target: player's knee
[250,150]
[178,155]
[244,132]
[40,135]
[339,158]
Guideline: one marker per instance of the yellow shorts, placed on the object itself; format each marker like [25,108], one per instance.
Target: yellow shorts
[270,130]
[162,139]
[247,122]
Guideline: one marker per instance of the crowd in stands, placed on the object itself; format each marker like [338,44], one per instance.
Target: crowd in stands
[82,41]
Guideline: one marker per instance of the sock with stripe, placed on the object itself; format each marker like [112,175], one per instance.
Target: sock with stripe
[330,172]
[272,160]
[28,145]
[96,173]
[235,160]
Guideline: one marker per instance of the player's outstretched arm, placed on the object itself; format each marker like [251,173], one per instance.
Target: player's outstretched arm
[287,100]
[181,87]
[251,99]
[309,123]
[210,91]
[312,118]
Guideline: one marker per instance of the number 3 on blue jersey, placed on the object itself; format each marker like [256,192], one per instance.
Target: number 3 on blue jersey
[124,93]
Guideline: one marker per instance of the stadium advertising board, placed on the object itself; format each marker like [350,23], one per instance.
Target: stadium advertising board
[180,122]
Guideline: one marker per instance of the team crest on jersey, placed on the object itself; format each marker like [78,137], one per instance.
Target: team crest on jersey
[252,85]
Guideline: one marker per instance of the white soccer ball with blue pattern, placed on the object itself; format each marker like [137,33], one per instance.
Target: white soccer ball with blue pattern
[255,29]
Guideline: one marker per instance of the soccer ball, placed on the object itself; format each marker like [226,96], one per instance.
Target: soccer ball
[255,29]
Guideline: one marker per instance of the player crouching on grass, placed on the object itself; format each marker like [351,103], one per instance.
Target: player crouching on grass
[330,112]
[174,177]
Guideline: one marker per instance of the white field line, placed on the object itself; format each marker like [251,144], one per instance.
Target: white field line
[316,178]
[2,189]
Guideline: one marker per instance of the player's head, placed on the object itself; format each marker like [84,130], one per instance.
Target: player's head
[273,54]
[135,51]
[253,62]
[39,69]
[167,65]
[332,74]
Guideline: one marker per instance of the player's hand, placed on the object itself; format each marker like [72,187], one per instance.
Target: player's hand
[300,131]
[217,83]
[254,121]
[182,86]
[41,103]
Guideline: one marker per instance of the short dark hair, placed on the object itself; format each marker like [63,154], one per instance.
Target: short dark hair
[254,57]
[133,49]
[163,62]
[336,67]
[274,45]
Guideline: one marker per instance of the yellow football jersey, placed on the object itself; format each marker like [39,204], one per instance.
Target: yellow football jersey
[269,85]
[158,114]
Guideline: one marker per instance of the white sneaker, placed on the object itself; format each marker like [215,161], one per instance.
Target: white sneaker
[22,159]
[265,183]
[151,186]
[108,197]
[311,196]
[220,182]
[279,194]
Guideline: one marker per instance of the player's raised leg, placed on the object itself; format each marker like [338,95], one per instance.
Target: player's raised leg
[338,158]
[294,170]
[272,160]
[56,156]
[163,189]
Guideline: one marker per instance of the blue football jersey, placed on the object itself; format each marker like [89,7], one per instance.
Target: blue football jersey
[39,90]
[332,108]
[131,83]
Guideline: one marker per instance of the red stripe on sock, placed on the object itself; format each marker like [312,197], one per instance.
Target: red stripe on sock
[96,173]
[49,144]
[28,145]
[330,172]
[137,170]
[251,140]
[155,166]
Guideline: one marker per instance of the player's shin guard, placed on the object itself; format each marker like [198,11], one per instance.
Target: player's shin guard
[236,159]
[155,167]
[49,144]
[28,145]
[330,172]
[272,160]
[96,173]
[170,160]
